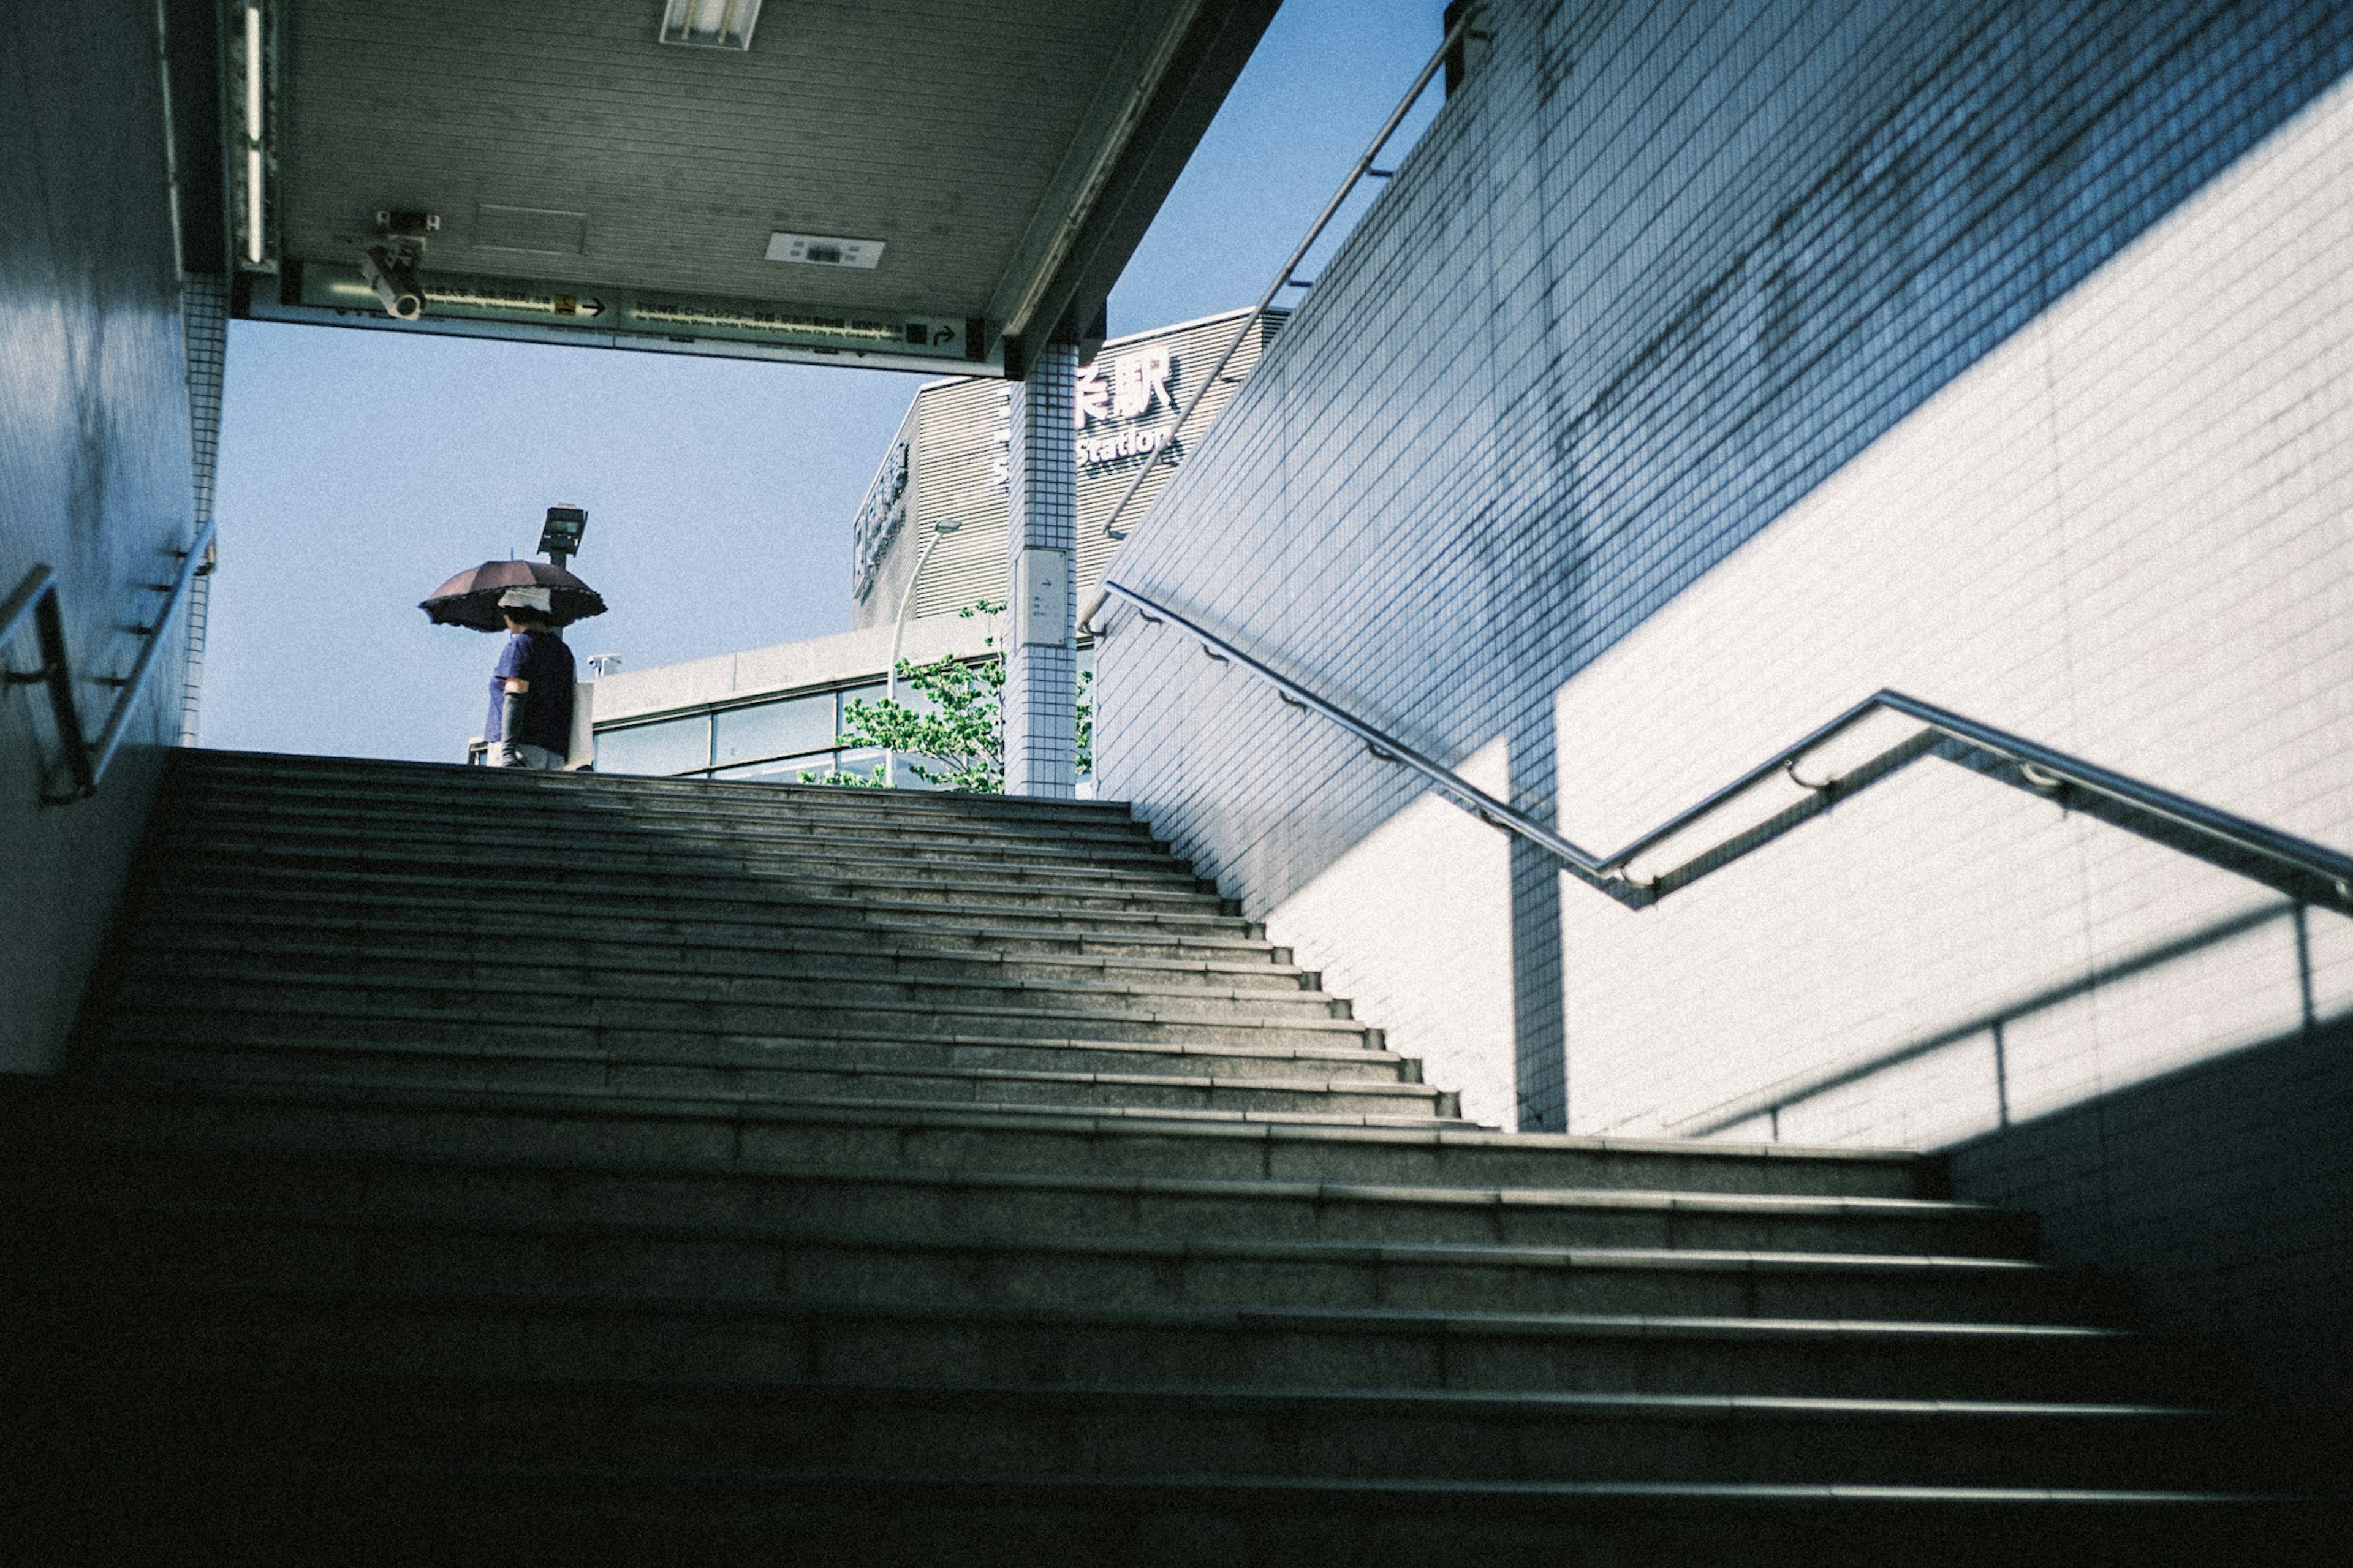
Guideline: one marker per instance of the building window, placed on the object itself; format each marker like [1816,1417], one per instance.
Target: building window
[772,730]
[670,746]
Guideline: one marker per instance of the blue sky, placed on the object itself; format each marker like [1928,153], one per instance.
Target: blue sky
[359,469]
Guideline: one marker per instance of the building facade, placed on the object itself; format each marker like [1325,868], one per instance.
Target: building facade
[1705,369]
[946,467]
[938,500]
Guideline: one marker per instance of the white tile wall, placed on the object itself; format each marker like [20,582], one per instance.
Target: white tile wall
[1413,925]
[2128,532]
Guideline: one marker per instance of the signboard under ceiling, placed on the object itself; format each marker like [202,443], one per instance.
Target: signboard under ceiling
[624,318]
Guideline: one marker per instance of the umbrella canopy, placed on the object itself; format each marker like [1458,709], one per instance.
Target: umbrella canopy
[471,597]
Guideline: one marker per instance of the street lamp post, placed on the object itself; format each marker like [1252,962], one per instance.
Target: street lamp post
[898,630]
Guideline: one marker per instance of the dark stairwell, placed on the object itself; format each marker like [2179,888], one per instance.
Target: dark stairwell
[551,1167]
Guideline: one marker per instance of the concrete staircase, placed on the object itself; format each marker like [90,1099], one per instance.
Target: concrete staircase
[466,1161]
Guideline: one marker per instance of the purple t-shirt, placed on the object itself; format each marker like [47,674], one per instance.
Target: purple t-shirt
[540,659]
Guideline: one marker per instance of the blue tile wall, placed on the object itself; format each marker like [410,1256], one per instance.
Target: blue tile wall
[96,470]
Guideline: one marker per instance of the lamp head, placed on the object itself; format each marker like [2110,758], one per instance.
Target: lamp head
[559,537]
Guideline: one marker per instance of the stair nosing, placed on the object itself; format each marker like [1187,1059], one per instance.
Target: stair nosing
[1250,1126]
[247,965]
[738,1107]
[1202,1081]
[177,926]
[1274,1188]
[263,991]
[1746,1261]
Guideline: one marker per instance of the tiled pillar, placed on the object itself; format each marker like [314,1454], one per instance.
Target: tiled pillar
[1540,1024]
[1041,542]
[203,303]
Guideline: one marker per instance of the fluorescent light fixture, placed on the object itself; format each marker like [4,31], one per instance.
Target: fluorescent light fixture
[253,236]
[253,205]
[253,73]
[710,24]
[825,250]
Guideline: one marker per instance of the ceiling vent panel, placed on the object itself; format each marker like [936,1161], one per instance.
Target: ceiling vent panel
[825,250]
[535,231]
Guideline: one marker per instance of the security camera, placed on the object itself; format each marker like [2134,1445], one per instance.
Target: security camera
[393,275]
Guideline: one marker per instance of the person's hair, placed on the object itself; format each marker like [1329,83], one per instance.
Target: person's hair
[524,615]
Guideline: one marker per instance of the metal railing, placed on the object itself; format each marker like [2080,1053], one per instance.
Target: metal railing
[36,601]
[2310,872]
[1289,276]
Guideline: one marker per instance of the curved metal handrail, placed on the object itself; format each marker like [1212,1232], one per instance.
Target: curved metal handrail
[36,600]
[2306,870]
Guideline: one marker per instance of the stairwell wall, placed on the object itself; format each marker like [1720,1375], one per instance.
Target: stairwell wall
[96,473]
[1708,367]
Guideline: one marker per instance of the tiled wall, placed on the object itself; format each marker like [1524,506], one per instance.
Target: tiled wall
[1711,366]
[96,477]
[203,298]
[2124,533]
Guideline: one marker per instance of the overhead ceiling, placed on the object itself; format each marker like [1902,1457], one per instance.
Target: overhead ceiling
[550,169]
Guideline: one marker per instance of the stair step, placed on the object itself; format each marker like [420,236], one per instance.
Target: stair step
[284,772]
[367,1119]
[1001,1516]
[560,970]
[395,818]
[480,1331]
[521,1187]
[872,900]
[470,934]
[1208,939]
[310,1243]
[655,877]
[1148,1430]
[524,850]
[1291,1064]
[211,1009]
[488,1067]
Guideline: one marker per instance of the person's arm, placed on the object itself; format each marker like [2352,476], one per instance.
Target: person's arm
[511,687]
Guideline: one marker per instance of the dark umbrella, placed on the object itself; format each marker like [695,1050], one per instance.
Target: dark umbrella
[472,598]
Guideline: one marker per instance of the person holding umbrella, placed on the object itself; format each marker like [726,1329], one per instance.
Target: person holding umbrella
[530,721]
[531,699]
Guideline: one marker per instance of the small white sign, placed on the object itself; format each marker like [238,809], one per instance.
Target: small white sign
[825,250]
[1044,590]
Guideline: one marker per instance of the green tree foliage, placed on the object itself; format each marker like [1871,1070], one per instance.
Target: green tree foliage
[959,743]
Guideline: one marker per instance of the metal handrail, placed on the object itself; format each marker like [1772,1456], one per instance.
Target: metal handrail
[2311,872]
[1288,277]
[37,600]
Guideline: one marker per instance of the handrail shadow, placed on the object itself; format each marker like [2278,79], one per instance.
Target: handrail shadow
[1774,1098]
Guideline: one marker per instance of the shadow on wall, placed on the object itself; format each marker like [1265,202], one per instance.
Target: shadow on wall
[1991,1035]
[2224,1188]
